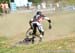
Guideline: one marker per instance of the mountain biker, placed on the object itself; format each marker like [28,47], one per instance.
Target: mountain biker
[35,24]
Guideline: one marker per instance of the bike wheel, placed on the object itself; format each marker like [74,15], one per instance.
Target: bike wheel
[29,32]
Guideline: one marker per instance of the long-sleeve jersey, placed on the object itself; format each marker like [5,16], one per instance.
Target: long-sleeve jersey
[39,18]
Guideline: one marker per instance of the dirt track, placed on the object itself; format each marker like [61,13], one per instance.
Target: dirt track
[14,25]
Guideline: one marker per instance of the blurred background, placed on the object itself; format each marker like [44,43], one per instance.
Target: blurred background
[40,4]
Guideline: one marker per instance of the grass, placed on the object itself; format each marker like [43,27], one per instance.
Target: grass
[66,45]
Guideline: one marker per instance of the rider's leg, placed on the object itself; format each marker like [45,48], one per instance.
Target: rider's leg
[41,30]
[34,32]
[41,35]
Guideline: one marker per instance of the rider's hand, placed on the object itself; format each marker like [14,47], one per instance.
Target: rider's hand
[50,26]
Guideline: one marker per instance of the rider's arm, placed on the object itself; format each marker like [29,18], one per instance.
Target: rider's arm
[49,21]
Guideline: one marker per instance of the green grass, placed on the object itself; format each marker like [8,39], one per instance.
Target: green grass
[66,45]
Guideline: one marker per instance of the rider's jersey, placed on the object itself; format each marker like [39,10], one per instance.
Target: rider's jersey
[39,18]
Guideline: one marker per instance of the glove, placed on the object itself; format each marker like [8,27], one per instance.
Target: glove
[50,26]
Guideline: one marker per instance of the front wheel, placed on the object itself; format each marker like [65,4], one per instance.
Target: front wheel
[29,32]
